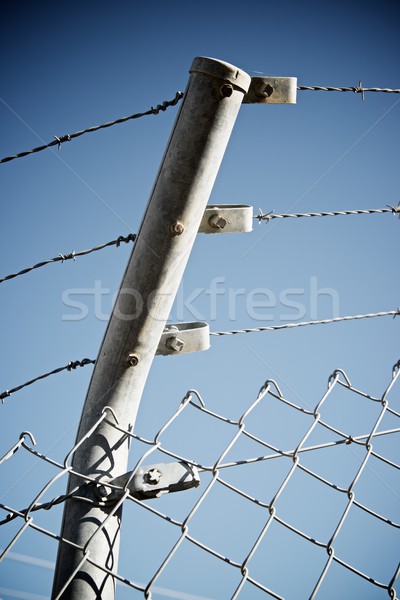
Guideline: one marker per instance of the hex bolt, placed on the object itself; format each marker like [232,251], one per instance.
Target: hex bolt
[133,359]
[217,221]
[177,228]
[226,90]
[153,476]
[174,343]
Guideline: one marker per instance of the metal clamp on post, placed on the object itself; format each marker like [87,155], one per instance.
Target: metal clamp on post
[151,481]
[181,338]
[227,218]
[271,90]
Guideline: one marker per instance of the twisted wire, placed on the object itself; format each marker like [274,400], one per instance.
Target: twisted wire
[86,361]
[72,255]
[66,138]
[72,365]
[304,323]
[271,215]
[357,89]
[261,217]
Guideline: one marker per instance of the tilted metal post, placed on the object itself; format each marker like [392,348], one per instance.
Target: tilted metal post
[183,185]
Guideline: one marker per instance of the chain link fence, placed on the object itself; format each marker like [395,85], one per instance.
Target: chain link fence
[311,492]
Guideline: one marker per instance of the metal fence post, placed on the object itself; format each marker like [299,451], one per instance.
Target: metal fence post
[182,187]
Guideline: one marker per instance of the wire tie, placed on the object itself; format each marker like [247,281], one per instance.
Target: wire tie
[122,239]
[72,365]
[86,361]
[129,238]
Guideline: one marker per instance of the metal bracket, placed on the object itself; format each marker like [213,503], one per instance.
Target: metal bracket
[181,338]
[151,481]
[272,90]
[227,218]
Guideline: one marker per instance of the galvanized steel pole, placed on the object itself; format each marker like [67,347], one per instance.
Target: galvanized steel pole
[183,185]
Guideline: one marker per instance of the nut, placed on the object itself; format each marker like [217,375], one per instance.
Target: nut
[217,221]
[268,90]
[174,343]
[104,492]
[133,359]
[177,228]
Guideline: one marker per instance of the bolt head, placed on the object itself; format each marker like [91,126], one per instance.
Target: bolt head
[217,221]
[174,343]
[133,360]
[153,476]
[177,228]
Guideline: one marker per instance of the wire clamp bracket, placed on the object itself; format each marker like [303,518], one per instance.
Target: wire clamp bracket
[182,338]
[271,90]
[227,218]
[149,482]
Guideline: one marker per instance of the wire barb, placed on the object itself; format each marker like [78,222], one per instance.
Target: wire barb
[68,137]
[62,139]
[394,209]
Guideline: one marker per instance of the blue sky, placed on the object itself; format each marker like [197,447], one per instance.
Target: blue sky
[71,66]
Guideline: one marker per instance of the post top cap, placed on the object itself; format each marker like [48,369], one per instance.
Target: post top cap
[221,70]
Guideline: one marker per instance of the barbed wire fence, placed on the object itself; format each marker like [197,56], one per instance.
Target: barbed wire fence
[277,510]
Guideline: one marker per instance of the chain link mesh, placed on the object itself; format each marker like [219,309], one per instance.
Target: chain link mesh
[255,466]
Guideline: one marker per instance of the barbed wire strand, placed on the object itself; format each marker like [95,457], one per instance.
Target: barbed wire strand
[357,89]
[72,255]
[305,323]
[66,138]
[271,215]
[86,361]
[69,367]
[162,107]
[261,217]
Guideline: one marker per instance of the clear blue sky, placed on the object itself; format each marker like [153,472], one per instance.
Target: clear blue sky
[68,66]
